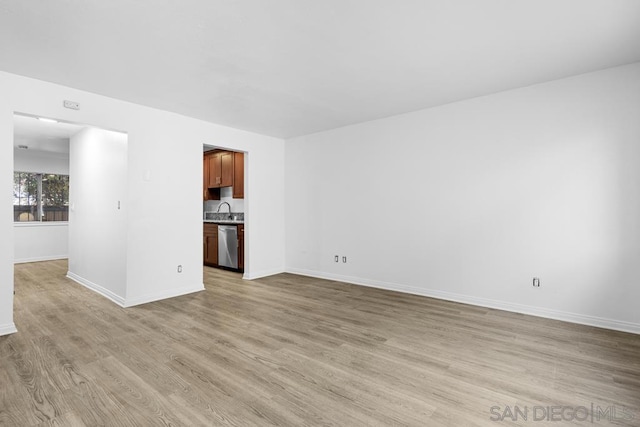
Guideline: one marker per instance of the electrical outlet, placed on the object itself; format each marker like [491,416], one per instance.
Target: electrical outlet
[344,259]
[71,104]
[336,258]
[536,282]
[179,269]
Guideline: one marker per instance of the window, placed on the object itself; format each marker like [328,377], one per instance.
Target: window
[40,197]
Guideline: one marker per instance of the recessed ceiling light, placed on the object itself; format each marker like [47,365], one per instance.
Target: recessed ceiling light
[43,119]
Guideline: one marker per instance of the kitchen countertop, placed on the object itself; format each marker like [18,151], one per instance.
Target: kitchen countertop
[224,221]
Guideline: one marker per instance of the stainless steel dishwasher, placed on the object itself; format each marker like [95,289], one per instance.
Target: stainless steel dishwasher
[228,246]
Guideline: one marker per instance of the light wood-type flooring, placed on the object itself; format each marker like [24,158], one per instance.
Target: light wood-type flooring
[296,351]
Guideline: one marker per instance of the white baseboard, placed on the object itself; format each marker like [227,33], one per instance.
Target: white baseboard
[263,273]
[171,293]
[9,328]
[38,259]
[96,288]
[583,319]
[142,299]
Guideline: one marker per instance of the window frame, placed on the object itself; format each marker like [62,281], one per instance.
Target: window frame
[40,208]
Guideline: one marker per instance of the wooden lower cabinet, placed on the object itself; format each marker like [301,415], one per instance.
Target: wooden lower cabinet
[210,243]
[241,247]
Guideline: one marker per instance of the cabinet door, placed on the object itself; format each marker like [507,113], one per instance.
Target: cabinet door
[238,175]
[209,193]
[226,169]
[205,177]
[211,250]
[241,247]
[210,241]
[215,170]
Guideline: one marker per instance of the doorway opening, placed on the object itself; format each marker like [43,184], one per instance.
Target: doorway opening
[41,188]
[224,209]
[68,178]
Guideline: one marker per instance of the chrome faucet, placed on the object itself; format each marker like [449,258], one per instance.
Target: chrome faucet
[224,203]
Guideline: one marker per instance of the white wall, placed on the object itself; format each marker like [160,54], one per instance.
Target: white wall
[6,216]
[98,212]
[40,241]
[470,200]
[40,162]
[164,182]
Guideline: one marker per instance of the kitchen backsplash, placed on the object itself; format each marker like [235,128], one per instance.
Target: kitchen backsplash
[239,216]
[226,195]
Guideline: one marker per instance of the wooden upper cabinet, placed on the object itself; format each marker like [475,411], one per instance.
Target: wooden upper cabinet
[215,170]
[223,169]
[226,169]
[220,169]
[209,193]
[238,175]
[205,176]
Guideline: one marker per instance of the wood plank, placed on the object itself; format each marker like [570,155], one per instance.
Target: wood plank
[291,350]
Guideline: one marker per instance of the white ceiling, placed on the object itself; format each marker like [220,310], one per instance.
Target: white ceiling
[43,136]
[292,67]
